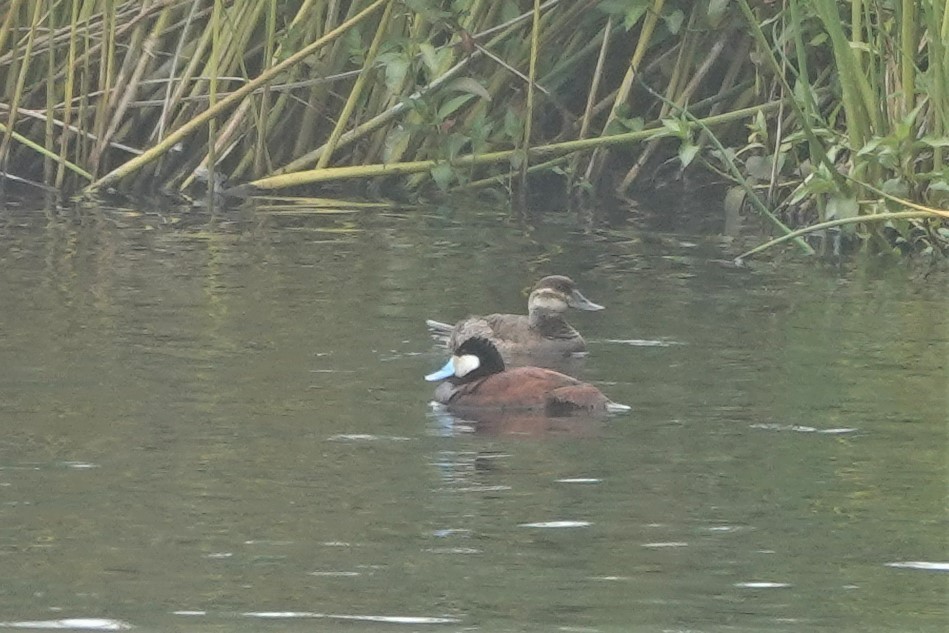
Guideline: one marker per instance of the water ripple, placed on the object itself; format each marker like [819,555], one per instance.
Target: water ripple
[366,437]
[725,528]
[920,564]
[495,488]
[392,619]
[443,532]
[556,524]
[642,342]
[797,428]
[452,550]
[83,624]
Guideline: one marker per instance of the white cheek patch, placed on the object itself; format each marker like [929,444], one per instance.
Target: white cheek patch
[466,364]
[549,303]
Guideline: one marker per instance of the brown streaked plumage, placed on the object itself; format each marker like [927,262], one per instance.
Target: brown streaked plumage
[544,330]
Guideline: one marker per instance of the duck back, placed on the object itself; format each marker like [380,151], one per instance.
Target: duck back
[519,334]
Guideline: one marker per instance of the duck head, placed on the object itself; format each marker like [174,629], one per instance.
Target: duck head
[556,293]
[474,358]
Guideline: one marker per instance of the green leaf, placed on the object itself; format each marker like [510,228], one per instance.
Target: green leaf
[615,126]
[631,10]
[674,21]
[396,143]
[799,194]
[758,167]
[295,34]
[841,207]
[678,127]
[509,11]
[819,181]
[621,125]
[426,8]
[448,108]
[895,187]
[939,185]
[762,123]
[870,146]
[480,129]
[633,124]
[687,152]
[935,141]
[623,110]
[354,45]
[456,142]
[633,15]
[469,85]
[443,174]
[716,11]
[513,125]
[397,65]
[429,56]
[735,200]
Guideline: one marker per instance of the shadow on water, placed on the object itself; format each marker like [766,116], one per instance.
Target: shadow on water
[219,420]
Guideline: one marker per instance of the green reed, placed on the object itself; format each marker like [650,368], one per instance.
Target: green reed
[816,103]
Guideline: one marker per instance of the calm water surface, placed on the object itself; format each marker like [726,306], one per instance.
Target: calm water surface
[217,422]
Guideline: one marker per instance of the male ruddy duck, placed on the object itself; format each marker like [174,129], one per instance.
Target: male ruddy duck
[543,331]
[475,379]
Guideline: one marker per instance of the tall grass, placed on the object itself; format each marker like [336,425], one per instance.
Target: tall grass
[875,123]
[810,105]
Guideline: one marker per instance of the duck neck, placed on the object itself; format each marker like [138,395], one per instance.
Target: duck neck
[551,324]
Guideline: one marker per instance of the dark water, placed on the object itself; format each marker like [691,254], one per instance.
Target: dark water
[217,422]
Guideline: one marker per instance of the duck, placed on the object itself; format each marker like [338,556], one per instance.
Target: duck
[543,331]
[475,378]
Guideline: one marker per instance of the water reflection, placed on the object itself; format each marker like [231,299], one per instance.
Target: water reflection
[514,424]
[207,415]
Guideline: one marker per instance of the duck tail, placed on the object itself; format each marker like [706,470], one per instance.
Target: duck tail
[437,327]
[439,331]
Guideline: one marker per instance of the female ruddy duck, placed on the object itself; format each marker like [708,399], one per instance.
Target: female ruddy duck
[543,331]
[475,378]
